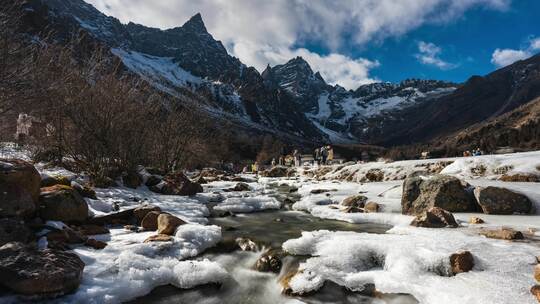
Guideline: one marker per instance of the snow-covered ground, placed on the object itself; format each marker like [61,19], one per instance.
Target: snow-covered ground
[410,259]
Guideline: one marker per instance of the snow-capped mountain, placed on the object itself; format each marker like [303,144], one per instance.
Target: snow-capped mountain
[290,100]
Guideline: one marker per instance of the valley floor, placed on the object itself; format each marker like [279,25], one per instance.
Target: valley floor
[415,259]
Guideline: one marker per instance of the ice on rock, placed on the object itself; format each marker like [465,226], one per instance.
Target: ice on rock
[415,261]
[248,204]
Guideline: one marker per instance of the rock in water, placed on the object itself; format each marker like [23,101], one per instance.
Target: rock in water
[12,230]
[62,203]
[435,218]
[495,200]
[48,272]
[462,261]
[270,261]
[446,192]
[19,188]
[167,223]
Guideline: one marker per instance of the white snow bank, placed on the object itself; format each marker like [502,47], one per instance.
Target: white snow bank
[128,268]
[493,166]
[408,260]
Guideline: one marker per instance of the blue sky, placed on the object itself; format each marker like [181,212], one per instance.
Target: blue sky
[353,42]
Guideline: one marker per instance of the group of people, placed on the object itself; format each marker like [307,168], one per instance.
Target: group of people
[323,155]
[475,152]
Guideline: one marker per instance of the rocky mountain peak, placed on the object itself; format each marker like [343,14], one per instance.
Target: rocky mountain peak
[195,24]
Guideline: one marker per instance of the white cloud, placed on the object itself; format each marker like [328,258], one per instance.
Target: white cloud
[429,54]
[259,31]
[504,57]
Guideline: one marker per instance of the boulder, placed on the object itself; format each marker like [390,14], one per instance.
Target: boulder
[84,191]
[62,203]
[159,238]
[131,179]
[19,188]
[475,220]
[152,180]
[270,261]
[168,223]
[371,207]
[48,272]
[149,222]
[503,234]
[462,261]
[13,230]
[523,177]
[495,200]
[93,243]
[141,211]
[65,236]
[435,218]
[446,192]
[354,201]
[535,290]
[241,187]
[49,180]
[177,184]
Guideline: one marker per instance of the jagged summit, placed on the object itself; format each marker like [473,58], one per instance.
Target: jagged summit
[195,23]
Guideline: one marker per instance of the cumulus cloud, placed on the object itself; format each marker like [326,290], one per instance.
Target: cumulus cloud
[504,57]
[429,54]
[259,31]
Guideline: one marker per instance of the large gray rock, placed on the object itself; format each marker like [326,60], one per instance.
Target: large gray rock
[49,272]
[446,192]
[62,203]
[19,188]
[495,200]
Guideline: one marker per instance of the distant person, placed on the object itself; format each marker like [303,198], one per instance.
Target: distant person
[273,163]
[282,160]
[324,155]
[297,158]
[330,157]
[317,157]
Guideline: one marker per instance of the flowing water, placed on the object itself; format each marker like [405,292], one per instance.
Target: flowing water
[268,229]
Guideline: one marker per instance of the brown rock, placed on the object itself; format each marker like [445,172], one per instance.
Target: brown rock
[90,229]
[121,217]
[524,177]
[85,191]
[270,261]
[435,218]
[13,230]
[47,272]
[537,273]
[503,234]
[535,290]
[168,223]
[241,187]
[374,175]
[495,200]
[159,238]
[371,207]
[62,203]
[141,211]
[475,220]
[355,201]
[177,184]
[48,181]
[93,243]
[462,261]
[149,222]
[19,188]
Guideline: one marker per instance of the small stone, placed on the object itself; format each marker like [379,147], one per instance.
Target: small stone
[95,244]
[462,261]
[371,207]
[475,220]
[241,187]
[168,223]
[503,234]
[131,228]
[537,273]
[159,238]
